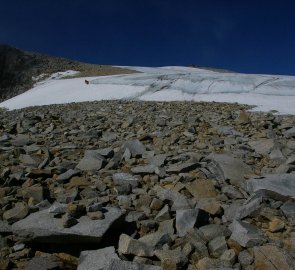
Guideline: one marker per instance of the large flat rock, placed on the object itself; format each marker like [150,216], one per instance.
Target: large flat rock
[43,227]
[227,167]
[276,186]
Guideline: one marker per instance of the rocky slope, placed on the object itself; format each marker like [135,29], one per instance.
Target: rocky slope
[17,69]
[144,185]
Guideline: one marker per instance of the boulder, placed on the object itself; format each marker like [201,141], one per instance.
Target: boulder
[43,227]
[246,234]
[227,167]
[275,186]
[92,161]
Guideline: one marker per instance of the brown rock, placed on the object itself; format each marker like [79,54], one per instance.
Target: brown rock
[201,189]
[271,258]
[276,225]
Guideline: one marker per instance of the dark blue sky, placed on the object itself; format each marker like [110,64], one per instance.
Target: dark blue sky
[242,35]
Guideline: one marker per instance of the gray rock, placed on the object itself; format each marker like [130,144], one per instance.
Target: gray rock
[124,265]
[229,256]
[147,169]
[237,211]
[5,227]
[290,133]
[186,220]
[245,258]
[212,231]
[19,211]
[156,239]
[276,186]
[164,214]
[96,259]
[262,146]
[92,161]
[246,234]
[3,242]
[232,192]
[125,178]
[36,192]
[225,166]
[217,246]
[135,147]
[180,202]
[62,178]
[106,152]
[183,167]
[68,221]
[128,245]
[30,161]
[288,209]
[167,226]
[44,263]
[21,140]
[43,227]
[158,160]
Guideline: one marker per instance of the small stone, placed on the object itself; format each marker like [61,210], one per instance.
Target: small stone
[18,247]
[36,192]
[212,231]
[288,209]
[128,245]
[210,263]
[18,212]
[276,225]
[95,215]
[164,214]
[229,256]
[76,210]
[156,204]
[79,182]
[62,178]
[125,178]
[92,161]
[147,169]
[246,234]
[186,220]
[135,147]
[245,258]
[201,189]
[217,246]
[172,259]
[183,167]
[68,221]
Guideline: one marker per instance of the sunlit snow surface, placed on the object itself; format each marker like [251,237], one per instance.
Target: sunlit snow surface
[267,92]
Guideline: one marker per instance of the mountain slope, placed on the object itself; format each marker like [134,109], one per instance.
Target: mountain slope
[17,69]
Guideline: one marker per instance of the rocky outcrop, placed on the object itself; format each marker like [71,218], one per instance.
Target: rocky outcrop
[82,187]
[19,68]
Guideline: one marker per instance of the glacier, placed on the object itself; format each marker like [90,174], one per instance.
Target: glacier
[266,92]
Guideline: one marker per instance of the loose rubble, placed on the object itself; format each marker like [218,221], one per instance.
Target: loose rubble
[145,185]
